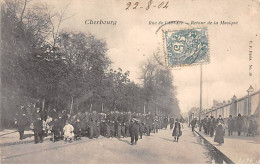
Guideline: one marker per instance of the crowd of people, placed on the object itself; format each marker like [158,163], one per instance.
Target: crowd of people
[217,127]
[62,125]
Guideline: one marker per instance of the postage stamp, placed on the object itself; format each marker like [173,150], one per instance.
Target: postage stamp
[186,47]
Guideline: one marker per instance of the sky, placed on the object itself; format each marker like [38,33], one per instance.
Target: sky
[132,40]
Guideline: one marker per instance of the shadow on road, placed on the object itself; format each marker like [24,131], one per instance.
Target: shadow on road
[166,139]
[127,142]
[27,135]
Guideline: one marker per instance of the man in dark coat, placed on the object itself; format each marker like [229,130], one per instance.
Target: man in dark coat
[193,123]
[171,122]
[204,122]
[208,123]
[239,124]
[212,126]
[77,130]
[149,123]
[127,128]
[21,122]
[134,131]
[165,122]
[231,124]
[38,129]
[119,123]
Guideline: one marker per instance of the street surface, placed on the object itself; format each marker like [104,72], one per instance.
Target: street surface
[154,149]
[240,149]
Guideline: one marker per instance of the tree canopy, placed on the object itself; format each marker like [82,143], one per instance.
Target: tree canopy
[70,70]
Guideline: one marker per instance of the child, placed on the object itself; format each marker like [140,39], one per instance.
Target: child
[68,132]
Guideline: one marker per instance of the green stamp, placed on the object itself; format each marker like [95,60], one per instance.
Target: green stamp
[186,47]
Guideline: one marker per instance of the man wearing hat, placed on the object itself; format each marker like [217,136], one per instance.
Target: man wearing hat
[134,130]
[38,128]
[239,124]
[77,130]
[212,126]
[231,124]
[21,123]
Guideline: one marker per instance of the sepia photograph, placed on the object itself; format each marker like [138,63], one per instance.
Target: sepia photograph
[130,82]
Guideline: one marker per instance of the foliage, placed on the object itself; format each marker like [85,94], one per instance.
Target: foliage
[67,69]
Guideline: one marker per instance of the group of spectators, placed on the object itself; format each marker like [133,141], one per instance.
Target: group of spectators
[248,125]
[62,125]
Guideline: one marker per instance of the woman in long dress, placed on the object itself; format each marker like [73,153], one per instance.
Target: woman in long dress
[220,132]
[177,130]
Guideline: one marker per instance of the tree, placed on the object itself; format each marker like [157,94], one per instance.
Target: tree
[160,94]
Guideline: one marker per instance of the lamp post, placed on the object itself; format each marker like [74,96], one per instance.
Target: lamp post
[249,91]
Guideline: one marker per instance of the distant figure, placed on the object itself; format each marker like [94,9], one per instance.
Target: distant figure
[68,132]
[177,130]
[219,136]
[134,131]
[21,122]
[239,124]
[212,126]
[193,123]
[231,124]
[220,119]
[77,130]
[47,125]
[250,131]
[38,130]
[171,123]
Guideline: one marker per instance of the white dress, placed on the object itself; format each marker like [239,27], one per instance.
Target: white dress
[68,131]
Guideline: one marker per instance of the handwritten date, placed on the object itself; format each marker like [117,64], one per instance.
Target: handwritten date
[149,5]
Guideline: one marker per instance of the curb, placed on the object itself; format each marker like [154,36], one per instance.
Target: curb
[226,159]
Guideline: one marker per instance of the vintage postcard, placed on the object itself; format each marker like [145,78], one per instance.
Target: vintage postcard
[130,82]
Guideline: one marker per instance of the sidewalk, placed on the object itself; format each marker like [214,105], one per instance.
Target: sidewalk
[239,149]
[11,137]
